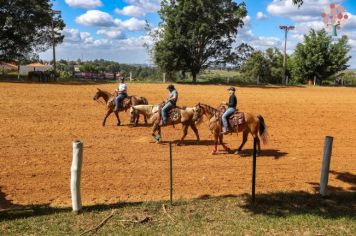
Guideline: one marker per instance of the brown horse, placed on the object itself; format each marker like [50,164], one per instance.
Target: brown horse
[109,99]
[253,124]
[179,115]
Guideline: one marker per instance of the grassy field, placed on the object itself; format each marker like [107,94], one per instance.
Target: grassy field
[295,213]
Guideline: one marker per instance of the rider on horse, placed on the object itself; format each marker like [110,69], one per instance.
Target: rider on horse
[230,110]
[170,103]
[122,94]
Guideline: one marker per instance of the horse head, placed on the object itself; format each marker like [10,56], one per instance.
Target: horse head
[97,95]
[133,114]
[198,114]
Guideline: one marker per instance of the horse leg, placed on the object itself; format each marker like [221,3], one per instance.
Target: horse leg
[221,140]
[185,132]
[194,128]
[156,128]
[216,137]
[137,119]
[106,116]
[244,140]
[145,119]
[117,116]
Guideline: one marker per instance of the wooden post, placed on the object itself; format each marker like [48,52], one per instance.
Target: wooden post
[170,173]
[75,175]
[130,76]
[314,80]
[287,78]
[254,171]
[164,77]
[258,79]
[326,165]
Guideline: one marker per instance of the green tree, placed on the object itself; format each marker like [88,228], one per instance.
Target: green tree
[257,65]
[26,27]
[319,57]
[196,33]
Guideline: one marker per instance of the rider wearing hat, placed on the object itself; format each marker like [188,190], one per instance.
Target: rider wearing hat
[230,110]
[122,91]
[170,102]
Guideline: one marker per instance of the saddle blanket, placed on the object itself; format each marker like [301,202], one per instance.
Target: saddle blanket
[237,119]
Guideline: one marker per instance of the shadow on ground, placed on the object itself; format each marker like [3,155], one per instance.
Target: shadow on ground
[336,205]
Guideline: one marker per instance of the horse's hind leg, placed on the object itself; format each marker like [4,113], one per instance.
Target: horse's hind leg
[194,128]
[117,117]
[244,140]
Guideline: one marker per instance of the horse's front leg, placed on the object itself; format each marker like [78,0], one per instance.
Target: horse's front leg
[117,116]
[106,116]
[137,119]
[221,140]
[216,137]
[156,128]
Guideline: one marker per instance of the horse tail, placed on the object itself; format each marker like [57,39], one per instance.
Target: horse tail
[262,129]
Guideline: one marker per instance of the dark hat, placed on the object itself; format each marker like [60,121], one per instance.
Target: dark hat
[171,86]
[232,89]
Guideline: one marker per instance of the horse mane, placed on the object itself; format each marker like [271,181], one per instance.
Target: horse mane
[210,109]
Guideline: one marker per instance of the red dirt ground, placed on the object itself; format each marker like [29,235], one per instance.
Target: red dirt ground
[40,121]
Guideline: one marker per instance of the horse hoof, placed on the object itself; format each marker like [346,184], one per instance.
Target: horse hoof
[214,152]
[237,152]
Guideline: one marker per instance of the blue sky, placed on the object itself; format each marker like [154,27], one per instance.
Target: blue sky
[114,29]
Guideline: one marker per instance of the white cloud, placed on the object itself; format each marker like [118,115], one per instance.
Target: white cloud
[113,33]
[131,11]
[132,24]
[261,16]
[101,19]
[86,4]
[139,8]
[95,18]
[73,36]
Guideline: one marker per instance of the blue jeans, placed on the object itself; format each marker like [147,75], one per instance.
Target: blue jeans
[118,100]
[226,115]
[165,110]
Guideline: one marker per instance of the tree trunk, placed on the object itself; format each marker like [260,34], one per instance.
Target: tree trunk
[194,77]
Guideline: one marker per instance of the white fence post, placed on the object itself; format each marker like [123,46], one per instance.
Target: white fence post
[326,165]
[314,80]
[130,76]
[164,77]
[75,175]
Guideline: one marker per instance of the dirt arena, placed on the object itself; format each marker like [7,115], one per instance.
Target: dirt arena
[40,121]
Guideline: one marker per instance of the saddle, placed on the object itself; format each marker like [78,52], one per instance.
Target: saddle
[236,119]
[125,104]
[173,114]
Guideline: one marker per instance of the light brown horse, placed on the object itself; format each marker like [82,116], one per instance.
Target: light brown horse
[109,99]
[184,116]
[253,124]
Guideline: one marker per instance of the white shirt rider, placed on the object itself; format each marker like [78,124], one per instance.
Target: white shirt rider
[122,88]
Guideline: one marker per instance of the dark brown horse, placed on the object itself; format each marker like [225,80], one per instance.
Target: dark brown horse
[109,99]
[253,124]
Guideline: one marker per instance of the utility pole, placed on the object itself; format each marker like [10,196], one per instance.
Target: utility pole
[53,12]
[286,29]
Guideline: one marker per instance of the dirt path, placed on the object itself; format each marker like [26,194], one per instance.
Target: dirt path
[39,122]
